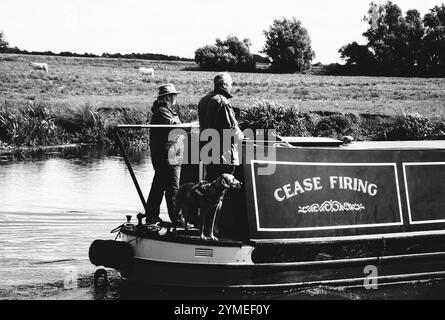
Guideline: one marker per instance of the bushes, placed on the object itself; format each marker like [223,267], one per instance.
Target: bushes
[37,124]
[270,115]
[288,121]
[414,126]
[228,55]
[336,126]
[77,120]
[32,125]
[88,125]
[188,113]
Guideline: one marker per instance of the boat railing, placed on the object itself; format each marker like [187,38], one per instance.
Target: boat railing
[149,126]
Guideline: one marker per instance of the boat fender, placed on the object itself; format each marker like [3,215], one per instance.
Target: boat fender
[112,254]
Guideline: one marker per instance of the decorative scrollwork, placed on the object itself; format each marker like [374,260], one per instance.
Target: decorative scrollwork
[331,206]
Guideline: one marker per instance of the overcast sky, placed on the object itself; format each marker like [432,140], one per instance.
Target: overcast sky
[178,27]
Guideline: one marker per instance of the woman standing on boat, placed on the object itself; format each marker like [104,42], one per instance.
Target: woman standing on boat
[167,169]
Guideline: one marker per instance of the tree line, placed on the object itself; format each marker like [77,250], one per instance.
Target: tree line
[288,49]
[397,44]
[5,48]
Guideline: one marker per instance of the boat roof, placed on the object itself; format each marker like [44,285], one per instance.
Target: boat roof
[148,126]
[318,142]
[396,145]
[321,141]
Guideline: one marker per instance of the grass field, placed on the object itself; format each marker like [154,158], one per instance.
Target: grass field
[80,100]
[73,82]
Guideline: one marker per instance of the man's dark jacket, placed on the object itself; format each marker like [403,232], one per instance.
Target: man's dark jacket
[215,111]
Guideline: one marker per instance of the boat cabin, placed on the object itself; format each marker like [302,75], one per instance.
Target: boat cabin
[320,188]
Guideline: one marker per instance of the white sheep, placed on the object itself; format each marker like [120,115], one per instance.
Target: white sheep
[39,66]
[147,71]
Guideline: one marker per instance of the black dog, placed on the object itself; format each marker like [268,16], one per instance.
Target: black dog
[201,203]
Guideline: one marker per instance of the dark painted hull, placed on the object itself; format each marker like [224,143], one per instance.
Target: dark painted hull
[351,272]
[182,260]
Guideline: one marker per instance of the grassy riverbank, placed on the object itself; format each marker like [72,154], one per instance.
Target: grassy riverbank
[80,100]
[39,125]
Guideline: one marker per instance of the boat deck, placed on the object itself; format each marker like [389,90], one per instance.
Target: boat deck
[191,236]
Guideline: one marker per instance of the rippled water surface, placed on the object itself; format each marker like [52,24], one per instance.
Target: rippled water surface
[53,206]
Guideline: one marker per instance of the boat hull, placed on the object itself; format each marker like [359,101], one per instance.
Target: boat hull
[174,262]
[222,276]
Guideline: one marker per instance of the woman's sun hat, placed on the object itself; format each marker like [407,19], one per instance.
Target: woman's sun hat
[168,88]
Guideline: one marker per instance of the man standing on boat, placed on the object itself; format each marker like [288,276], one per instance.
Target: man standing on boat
[167,168]
[215,112]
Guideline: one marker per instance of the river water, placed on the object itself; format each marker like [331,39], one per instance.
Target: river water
[53,205]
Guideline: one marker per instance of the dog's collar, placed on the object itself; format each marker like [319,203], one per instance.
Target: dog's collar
[198,190]
[199,193]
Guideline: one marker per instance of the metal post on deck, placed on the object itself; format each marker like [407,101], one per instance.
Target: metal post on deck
[130,169]
[127,161]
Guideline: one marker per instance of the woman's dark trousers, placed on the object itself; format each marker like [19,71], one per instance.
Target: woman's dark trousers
[165,180]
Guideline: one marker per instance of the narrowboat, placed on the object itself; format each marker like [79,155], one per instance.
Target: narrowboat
[319,211]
